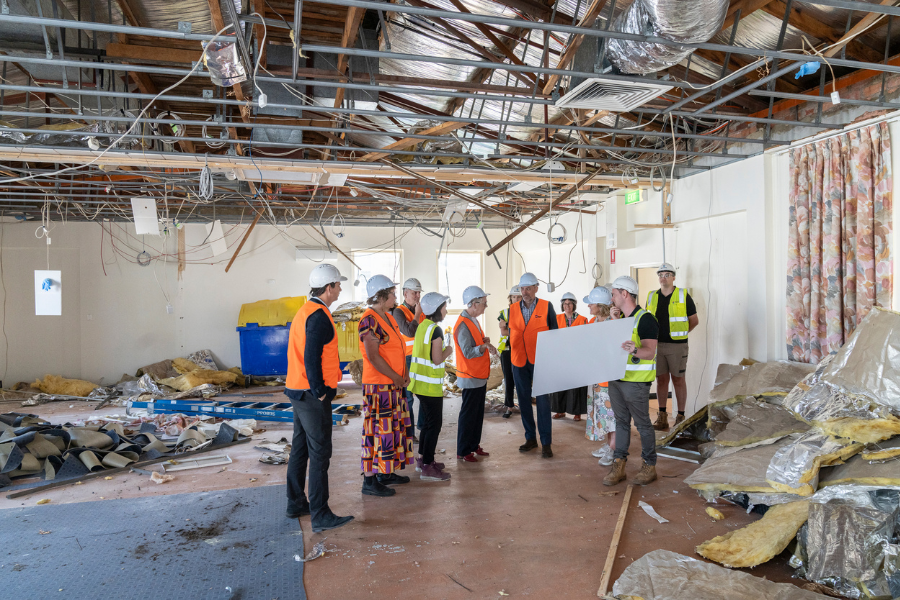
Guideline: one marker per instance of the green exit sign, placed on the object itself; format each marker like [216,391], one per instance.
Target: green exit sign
[633,197]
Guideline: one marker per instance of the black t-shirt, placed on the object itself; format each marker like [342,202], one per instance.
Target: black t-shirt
[437,334]
[662,316]
[648,329]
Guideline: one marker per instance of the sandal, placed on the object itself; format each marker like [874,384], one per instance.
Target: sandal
[559,415]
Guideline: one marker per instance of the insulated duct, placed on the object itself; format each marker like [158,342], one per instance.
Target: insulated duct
[683,21]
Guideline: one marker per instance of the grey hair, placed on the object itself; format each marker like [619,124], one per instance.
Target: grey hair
[472,301]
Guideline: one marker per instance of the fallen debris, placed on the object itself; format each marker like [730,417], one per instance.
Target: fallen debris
[317,551]
[650,511]
[273,459]
[157,477]
[714,513]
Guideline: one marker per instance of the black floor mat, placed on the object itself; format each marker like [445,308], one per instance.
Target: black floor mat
[183,546]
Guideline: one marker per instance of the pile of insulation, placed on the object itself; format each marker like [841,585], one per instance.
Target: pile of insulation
[193,376]
[821,461]
[31,447]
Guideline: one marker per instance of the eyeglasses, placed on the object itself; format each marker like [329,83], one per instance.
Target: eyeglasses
[666,274]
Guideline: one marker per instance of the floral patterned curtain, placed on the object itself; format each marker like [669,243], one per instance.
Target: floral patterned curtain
[840,262]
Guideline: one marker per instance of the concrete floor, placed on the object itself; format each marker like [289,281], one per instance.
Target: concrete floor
[511,524]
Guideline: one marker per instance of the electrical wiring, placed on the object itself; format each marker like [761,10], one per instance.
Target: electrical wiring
[262,96]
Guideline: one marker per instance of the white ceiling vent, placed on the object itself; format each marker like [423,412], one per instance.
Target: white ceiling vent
[612,95]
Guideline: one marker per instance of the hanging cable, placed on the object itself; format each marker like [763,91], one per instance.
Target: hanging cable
[206,182]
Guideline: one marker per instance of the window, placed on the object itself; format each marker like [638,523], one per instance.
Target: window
[387,262]
[456,272]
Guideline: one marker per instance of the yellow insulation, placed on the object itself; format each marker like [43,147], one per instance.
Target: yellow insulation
[865,431]
[758,542]
[54,384]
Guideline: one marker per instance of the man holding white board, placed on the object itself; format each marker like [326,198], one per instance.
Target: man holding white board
[630,395]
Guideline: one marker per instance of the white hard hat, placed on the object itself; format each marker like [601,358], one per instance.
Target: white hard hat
[598,295]
[515,291]
[568,296]
[626,283]
[665,267]
[528,279]
[472,292]
[324,274]
[412,284]
[377,283]
[432,301]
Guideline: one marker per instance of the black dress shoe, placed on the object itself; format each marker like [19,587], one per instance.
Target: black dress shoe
[546,452]
[528,445]
[392,479]
[371,487]
[295,512]
[332,521]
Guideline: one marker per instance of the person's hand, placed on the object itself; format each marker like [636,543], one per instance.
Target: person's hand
[628,346]
[486,340]
[615,313]
[418,311]
[405,382]
[493,350]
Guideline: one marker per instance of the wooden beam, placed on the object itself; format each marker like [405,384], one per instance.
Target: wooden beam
[560,199]
[407,142]
[747,8]
[856,29]
[587,20]
[348,40]
[606,575]
[260,7]
[246,235]
[151,53]
[802,20]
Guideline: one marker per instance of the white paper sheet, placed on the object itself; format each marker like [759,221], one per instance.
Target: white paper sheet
[48,302]
[580,356]
[215,238]
[146,221]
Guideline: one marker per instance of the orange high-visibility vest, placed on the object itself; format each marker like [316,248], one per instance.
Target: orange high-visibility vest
[522,338]
[331,366]
[391,351]
[409,341]
[579,320]
[471,368]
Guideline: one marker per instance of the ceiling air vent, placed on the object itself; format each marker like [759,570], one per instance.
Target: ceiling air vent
[612,95]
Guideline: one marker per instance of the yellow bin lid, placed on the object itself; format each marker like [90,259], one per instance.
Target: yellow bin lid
[270,313]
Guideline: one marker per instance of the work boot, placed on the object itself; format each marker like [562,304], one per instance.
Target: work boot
[392,479]
[645,475]
[295,511]
[528,445]
[372,487]
[546,452]
[617,473]
[662,421]
[332,521]
[678,419]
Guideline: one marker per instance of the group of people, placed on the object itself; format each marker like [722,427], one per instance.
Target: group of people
[404,353]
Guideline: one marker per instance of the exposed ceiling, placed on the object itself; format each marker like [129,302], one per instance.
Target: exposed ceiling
[385,112]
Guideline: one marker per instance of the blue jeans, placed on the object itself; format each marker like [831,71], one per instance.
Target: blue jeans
[409,400]
[523,377]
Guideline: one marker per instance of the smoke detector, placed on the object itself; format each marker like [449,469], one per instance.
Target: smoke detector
[613,95]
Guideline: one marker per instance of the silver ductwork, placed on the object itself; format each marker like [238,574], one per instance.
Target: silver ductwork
[683,21]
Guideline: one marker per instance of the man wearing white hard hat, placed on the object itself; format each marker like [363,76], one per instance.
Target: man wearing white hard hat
[313,374]
[509,386]
[677,316]
[408,315]
[473,368]
[630,396]
[527,318]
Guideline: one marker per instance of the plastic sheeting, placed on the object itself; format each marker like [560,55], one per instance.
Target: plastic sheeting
[665,575]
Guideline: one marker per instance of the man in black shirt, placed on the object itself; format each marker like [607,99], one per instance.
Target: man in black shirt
[677,316]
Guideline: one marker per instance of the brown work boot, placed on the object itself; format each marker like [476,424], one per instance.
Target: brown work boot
[645,475]
[678,419]
[662,421]
[617,473]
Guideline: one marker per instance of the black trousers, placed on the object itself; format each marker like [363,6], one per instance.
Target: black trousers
[471,420]
[509,384]
[311,442]
[431,410]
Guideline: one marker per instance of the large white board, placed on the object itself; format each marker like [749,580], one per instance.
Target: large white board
[580,356]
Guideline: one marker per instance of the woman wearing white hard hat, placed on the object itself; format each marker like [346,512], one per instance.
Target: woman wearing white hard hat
[574,401]
[473,368]
[427,382]
[386,436]
[509,385]
[601,421]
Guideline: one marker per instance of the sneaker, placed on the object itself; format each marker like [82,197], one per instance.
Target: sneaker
[480,452]
[599,452]
[607,458]
[433,473]
[332,521]
[645,475]
[546,452]
[528,445]
[419,465]
[392,479]
[372,487]
[662,421]
[295,511]
[470,457]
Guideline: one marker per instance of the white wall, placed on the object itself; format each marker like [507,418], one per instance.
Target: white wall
[116,322]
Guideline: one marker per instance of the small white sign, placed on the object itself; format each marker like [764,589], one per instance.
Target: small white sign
[47,293]
[146,221]
[580,356]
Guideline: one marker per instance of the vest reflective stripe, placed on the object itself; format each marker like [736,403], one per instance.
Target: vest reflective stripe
[409,341]
[391,351]
[643,370]
[522,337]
[425,377]
[504,340]
[678,317]
[471,368]
[331,368]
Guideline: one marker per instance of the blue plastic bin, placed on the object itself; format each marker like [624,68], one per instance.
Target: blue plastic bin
[264,349]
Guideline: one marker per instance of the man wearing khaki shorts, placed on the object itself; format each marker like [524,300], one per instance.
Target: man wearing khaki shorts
[677,316]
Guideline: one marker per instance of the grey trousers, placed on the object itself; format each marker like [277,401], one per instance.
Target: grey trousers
[631,401]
